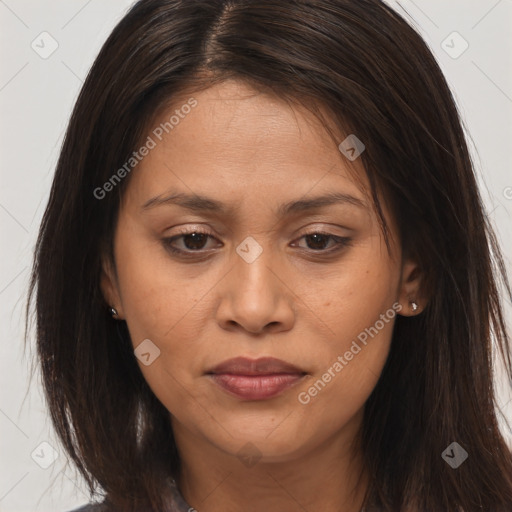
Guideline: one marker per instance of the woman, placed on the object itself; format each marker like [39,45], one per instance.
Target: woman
[265,279]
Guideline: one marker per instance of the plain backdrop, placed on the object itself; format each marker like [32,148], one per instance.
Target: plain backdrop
[36,98]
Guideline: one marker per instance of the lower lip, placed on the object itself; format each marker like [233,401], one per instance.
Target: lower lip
[255,387]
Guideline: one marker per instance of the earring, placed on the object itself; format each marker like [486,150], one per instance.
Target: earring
[113,312]
[414,306]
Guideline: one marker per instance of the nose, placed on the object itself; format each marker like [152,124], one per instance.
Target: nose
[256,297]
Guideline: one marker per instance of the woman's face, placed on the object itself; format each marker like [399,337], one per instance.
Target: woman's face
[246,172]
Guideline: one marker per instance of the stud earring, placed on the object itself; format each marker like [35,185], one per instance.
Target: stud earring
[414,306]
[113,312]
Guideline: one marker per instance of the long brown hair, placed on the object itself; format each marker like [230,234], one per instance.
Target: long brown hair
[376,77]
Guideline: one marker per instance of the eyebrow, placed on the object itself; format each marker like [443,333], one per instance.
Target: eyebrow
[200,204]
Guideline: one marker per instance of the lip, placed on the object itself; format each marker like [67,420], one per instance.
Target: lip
[255,379]
[261,366]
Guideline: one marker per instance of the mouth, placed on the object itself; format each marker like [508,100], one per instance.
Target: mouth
[255,379]
[261,366]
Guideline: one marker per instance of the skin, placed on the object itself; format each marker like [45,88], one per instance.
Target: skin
[254,152]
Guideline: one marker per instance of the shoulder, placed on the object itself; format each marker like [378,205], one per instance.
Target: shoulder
[91,507]
[176,501]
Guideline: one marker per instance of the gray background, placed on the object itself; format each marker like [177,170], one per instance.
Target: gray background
[36,98]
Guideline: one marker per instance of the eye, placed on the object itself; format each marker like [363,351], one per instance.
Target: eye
[191,241]
[196,241]
[319,241]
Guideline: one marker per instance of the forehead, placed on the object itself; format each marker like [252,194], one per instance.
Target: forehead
[238,121]
[237,142]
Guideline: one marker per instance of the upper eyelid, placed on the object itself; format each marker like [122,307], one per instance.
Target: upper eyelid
[312,231]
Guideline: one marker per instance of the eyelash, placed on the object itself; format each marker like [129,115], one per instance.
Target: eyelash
[341,242]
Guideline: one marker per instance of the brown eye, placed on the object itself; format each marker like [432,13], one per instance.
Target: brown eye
[188,242]
[195,241]
[319,242]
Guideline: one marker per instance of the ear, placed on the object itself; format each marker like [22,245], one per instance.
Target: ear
[411,289]
[109,287]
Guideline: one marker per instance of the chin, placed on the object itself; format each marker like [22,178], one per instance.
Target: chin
[250,444]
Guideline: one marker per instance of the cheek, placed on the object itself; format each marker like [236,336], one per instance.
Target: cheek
[159,297]
[350,297]
[346,378]
[357,311]
[167,306]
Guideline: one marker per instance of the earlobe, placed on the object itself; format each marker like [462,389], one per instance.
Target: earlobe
[411,295]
